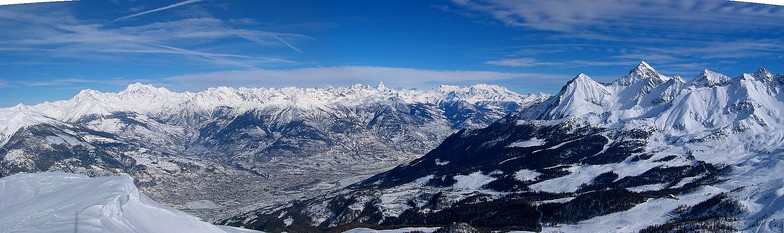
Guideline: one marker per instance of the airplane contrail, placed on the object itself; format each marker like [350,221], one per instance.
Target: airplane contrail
[287,44]
[768,2]
[158,9]
[16,2]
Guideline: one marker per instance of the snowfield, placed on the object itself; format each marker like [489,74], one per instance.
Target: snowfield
[528,143]
[473,181]
[64,202]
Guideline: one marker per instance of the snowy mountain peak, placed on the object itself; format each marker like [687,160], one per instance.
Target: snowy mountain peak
[19,107]
[762,73]
[360,86]
[581,77]
[708,78]
[644,66]
[381,86]
[139,88]
[678,78]
[579,96]
[88,94]
[582,84]
[480,89]
[581,80]
[643,71]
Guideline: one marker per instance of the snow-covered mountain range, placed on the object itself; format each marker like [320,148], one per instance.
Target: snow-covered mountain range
[645,153]
[161,103]
[708,102]
[223,148]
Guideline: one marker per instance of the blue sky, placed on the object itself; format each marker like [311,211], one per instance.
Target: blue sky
[50,51]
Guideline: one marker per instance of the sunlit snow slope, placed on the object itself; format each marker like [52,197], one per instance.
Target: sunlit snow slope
[64,202]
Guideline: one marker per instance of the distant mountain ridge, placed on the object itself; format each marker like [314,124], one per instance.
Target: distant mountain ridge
[159,101]
[645,153]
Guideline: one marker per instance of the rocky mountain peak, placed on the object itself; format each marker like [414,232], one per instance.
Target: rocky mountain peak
[762,73]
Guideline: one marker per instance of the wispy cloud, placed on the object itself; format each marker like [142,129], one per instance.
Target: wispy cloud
[667,32]
[70,82]
[645,56]
[522,62]
[742,48]
[532,62]
[214,58]
[607,18]
[59,34]
[158,9]
[348,75]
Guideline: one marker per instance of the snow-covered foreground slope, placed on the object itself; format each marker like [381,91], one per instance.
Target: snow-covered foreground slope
[65,202]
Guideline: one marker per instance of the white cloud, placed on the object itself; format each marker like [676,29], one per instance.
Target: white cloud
[349,75]
[59,34]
